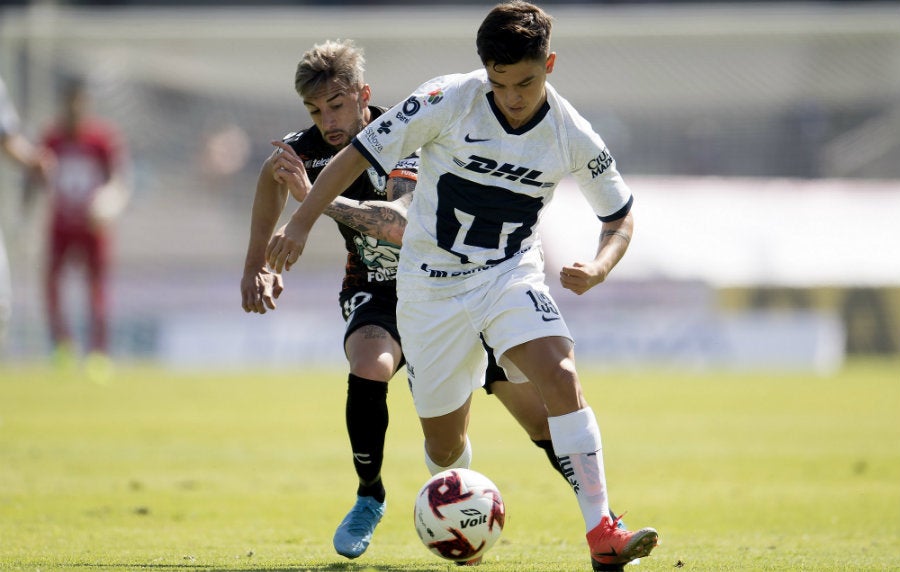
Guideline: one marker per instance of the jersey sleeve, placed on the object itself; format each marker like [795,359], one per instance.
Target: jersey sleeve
[409,125]
[598,178]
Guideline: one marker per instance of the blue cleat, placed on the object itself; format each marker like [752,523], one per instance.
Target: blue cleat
[353,535]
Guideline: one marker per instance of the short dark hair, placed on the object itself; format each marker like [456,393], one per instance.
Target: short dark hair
[513,32]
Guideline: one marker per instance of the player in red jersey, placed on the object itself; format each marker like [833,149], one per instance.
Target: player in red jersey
[87,192]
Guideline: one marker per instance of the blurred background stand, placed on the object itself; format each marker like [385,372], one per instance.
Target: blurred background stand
[762,141]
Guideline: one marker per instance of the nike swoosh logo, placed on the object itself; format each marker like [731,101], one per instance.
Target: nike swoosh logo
[546,319]
[469,139]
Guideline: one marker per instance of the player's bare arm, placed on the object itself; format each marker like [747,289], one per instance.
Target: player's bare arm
[259,285]
[400,189]
[285,249]
[381,219]
[615,236]
[384,220]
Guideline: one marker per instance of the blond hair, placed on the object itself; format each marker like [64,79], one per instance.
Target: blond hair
[340,61]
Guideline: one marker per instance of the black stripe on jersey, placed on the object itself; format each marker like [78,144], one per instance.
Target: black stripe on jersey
[619,213]
[369,157]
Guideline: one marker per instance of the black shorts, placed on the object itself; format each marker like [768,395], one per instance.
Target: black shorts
[364,308]
[494,372]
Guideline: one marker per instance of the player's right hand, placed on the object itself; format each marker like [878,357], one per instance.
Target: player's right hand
[288,170]
[259,291]
[285,247]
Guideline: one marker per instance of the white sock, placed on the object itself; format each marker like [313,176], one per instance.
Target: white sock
[462,462]
[576,441]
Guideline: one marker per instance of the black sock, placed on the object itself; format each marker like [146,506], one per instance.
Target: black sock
[367,422]
[547,446]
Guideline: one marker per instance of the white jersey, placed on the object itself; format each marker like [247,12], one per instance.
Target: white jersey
[483,185]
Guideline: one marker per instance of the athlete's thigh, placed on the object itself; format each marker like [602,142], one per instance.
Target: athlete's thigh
[96,249]
[445,360]
[61,246]
[372,353]
[371,339]
[520,309]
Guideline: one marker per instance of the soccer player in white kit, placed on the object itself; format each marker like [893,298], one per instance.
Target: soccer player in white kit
[494,144]
[38,162]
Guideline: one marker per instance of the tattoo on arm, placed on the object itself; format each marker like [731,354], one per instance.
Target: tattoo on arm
[621,234]
[384,220]
[401,188]
[380,219]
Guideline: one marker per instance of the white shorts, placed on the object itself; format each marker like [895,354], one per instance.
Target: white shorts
[442,338]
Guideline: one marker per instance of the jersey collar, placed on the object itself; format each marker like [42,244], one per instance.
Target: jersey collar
[544,109]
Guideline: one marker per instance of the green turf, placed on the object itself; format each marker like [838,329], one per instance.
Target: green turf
[163,471]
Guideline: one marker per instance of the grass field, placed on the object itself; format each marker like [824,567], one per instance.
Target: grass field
[236,471]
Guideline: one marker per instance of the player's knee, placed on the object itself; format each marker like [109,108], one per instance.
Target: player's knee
[561,376]
[444,452]
[561,390]
[376,357]
[376,370]
[378,365]
[441,454]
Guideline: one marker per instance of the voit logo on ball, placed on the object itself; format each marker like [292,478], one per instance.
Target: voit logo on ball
[459,514]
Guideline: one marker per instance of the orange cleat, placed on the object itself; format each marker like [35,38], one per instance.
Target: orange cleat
[613,547]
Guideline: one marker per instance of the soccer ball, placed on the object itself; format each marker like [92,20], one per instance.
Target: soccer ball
[459,514]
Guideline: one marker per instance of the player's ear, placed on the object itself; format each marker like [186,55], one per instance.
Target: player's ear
[365,94]
[551,60]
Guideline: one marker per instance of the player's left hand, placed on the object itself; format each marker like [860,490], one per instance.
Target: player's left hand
[580,277]
[259,290]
